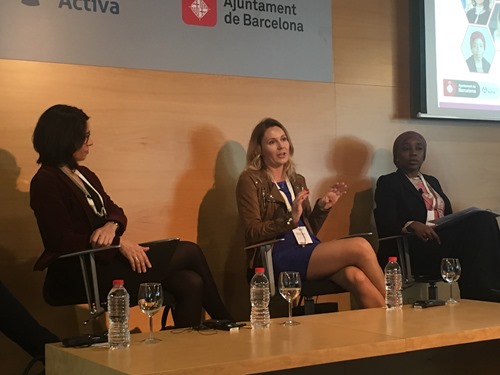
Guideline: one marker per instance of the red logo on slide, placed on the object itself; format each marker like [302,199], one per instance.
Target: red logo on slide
[199,12]
[449,87]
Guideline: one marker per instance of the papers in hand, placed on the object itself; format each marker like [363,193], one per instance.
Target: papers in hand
[457,216]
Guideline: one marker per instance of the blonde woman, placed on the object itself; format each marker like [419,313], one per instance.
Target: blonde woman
[273,202]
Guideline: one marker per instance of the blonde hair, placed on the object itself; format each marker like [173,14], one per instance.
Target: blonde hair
[254,151]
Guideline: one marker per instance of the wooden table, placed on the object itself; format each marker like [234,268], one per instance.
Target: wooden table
[344,337]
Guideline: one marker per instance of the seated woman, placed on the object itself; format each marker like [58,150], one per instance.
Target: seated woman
[406,200]
[273,202]
[74,213]
[480,13]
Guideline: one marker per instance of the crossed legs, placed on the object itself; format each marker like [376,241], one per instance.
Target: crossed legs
[191,282]
[352,264]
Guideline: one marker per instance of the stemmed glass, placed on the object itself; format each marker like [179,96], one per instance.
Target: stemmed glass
[290,286]
[150,299]
[450,271]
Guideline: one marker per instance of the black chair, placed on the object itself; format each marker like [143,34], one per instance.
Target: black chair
[96,305]
[311,289]
[404,259]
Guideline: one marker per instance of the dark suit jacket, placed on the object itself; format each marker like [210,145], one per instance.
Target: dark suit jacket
[397,202]
[472,65]
[475,239]
[65,219]
[482,19]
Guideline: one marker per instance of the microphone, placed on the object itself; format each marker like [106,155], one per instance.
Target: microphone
[420,191]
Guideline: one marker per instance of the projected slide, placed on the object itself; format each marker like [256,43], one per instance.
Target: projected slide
[467,51]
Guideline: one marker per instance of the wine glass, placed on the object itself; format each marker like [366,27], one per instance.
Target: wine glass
[290,286]
[150,299]
[450,271]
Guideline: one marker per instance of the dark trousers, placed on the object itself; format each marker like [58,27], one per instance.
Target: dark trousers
[19,326]
[475,240]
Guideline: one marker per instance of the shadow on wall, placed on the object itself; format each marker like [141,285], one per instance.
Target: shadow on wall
[204,144]
[381,164]
[220,233]
[20,246]
[349,160]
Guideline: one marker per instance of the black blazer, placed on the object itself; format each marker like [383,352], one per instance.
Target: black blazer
[472,65]
[397,202]
[64,217]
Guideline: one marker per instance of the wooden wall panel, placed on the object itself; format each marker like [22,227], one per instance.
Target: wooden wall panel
[168,148]
[363,41]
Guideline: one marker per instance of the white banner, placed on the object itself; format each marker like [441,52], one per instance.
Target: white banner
[288,39]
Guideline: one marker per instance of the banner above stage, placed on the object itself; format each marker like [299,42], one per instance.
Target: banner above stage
[287,39]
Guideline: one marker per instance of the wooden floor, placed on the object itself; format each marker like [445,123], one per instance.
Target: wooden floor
[346,341]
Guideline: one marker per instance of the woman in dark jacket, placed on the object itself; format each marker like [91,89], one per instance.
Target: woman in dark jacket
[480,13]
[74,213]
[408,200]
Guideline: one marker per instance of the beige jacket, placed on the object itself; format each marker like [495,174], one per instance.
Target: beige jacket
[263,210]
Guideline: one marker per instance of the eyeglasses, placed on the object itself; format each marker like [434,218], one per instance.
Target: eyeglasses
[87,138]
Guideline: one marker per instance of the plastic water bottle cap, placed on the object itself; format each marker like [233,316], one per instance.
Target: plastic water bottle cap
[393,259]
[259,270]
[117,282]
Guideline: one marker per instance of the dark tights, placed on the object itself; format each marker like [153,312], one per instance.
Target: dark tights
[190,281]
[180,266]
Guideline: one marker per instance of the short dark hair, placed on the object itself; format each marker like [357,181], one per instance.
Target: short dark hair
[59,132]
[477,35]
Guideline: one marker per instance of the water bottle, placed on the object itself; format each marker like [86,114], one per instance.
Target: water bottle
[118,313]
[259,298]
[393,284]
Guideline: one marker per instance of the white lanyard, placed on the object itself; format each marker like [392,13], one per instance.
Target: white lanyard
[90,201]
[301,233]
[290,189]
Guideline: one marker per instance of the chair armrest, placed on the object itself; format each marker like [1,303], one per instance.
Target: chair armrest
[264,243]
[89,275]
[364,234]
[265,248]
[403,254]
[89,251]
[397,236]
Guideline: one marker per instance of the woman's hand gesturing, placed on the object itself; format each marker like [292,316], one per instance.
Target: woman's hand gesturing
[297,205]
[333,195]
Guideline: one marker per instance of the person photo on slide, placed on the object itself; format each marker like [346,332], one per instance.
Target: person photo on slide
[476,62]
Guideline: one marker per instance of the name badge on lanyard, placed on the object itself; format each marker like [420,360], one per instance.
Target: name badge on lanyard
[301,233]
[431,214]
